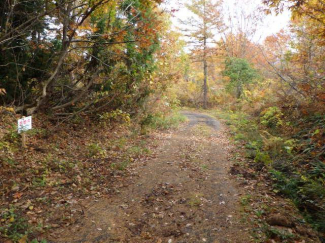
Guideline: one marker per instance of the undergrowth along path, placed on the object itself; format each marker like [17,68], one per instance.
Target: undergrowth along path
[184,194]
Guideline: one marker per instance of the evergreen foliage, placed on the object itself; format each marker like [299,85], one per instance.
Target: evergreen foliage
[240,74]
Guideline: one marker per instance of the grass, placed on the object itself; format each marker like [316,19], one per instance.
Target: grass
[195,200]
[138,150]
[120,165]
[205,167]
[95,150]
[244,201]
[275,233]
[163,122]
[16,228]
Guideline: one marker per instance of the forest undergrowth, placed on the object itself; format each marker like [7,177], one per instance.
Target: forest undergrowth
[288,153]
[42,185]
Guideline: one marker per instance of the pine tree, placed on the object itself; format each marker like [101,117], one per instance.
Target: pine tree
[201,29]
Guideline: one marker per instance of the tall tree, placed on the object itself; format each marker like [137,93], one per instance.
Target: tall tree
[201,29]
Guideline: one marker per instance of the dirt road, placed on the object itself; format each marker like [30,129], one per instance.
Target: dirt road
[184,194]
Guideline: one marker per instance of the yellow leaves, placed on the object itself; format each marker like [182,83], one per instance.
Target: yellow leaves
[313,2]
[304,178]
[24,239]
[296,15]
[71,32]
[85,27]
[247,93]
[2,91]
[10,109]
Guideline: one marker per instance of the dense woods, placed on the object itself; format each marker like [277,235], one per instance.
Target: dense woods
[103,64]
[71,57]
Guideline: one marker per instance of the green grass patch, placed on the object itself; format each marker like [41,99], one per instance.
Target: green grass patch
[161,121]
[15,228]
[195,200]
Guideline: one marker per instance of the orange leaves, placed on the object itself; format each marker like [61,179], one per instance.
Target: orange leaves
[134,12]
[119,37]
[321,97]
[147,31]
[17,195]
[313,10]
[305,87]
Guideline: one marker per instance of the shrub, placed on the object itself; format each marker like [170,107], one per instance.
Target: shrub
[272,117]
[94,150]
[15,227]
[262,157]
[117,116]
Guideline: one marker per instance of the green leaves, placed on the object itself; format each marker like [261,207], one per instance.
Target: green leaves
[240,73]
[272,117]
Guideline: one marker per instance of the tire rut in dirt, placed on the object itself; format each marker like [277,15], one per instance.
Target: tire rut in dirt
[196,119]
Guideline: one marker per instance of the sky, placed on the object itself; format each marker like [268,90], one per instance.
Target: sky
[271,23]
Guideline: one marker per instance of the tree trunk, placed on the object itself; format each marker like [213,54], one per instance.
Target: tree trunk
[205,63]
[205,85]
[239,91]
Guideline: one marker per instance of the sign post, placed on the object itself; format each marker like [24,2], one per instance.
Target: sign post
[23,139]
[24,125]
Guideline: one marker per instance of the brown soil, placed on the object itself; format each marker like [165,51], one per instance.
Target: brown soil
[183,194]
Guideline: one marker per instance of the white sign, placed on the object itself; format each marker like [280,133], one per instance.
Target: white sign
[24,124]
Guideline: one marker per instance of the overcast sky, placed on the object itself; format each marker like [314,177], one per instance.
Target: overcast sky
[271,23]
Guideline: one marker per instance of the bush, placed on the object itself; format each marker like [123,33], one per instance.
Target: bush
[117,116]
[15,226]
[262,157]
[272,117]
[95,150]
